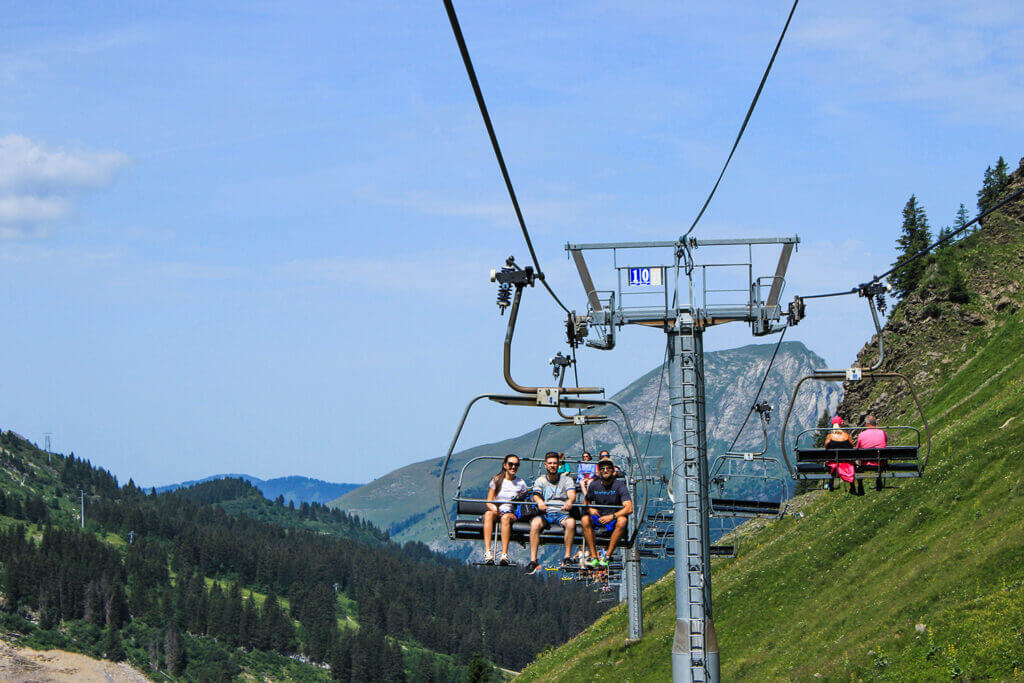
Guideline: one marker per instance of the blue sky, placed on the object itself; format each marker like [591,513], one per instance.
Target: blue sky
[255,237]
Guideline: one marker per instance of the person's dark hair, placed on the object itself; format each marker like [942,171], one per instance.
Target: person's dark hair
[496,481]
[551,454]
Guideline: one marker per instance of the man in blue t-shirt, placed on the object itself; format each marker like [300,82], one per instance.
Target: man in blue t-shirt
[616,505]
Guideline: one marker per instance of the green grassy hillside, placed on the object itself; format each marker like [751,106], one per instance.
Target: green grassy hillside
[920,582]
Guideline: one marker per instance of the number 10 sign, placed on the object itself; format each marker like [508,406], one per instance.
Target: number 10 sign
[645,276]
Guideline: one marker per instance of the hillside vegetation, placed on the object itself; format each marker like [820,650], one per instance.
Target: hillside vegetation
[919,582]
[215,581]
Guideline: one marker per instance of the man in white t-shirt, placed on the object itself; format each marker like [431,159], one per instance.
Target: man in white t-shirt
[504,487]
[554,493]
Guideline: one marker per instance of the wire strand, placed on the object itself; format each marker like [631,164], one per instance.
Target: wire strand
[457,30]
[764,379]
[654,415]
[746,119]
[576,376]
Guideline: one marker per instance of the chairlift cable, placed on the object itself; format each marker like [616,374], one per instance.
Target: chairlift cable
[924,252]
[457,30]
[757,396]
[746,120]
[576,376]
[654,415]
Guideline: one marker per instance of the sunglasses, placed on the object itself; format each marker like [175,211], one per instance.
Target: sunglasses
[606,467]
[512,465]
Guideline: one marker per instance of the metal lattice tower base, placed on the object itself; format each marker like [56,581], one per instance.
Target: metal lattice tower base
[695,646]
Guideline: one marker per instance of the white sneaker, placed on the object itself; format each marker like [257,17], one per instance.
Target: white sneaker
[488,557]
[504,560]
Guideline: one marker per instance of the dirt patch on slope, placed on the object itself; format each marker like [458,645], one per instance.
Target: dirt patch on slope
[24,664]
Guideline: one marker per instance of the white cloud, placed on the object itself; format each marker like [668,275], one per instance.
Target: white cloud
[17,209]
[29,166]
[957,57]
[38,183]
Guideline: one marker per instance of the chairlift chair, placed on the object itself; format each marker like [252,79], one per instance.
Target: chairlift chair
[901,460]
[737,467]
[468,524]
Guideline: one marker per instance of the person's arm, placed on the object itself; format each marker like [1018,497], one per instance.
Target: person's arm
[571,499]
[627,504]
[490,496]
[538,497]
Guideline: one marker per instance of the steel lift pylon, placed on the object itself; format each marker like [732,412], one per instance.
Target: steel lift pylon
[677,301]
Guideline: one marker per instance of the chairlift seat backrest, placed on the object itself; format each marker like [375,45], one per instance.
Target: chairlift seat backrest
[852,454]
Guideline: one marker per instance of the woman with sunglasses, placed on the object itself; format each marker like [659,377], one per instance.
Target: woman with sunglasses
[503,488]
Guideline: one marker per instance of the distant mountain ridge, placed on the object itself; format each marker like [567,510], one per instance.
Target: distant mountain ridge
[294,488]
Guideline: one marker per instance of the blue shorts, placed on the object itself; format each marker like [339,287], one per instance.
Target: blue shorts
[610,526]
[554,516]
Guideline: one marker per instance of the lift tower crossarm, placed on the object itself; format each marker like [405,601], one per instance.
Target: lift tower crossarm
[654,244]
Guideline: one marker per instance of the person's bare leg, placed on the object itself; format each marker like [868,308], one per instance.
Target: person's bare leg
[506,531]
[570,530]
[536,524]
[588,534]
[620,528]
[489,516]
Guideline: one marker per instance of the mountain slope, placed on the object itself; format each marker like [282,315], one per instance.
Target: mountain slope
[294,489]
[192,573]
[395,501]
[920,582]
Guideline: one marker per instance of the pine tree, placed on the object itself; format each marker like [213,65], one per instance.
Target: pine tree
[248,624]
[914,237]
[115,606]
[112,645]
[951,279]
[173,654]
[153,651]
[994,182]
[478,671]
[393,670]
[961,218]
[424,669]
[341,659]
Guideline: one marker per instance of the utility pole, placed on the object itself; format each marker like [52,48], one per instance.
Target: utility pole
[81,492]
[674,296]
[46,440]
